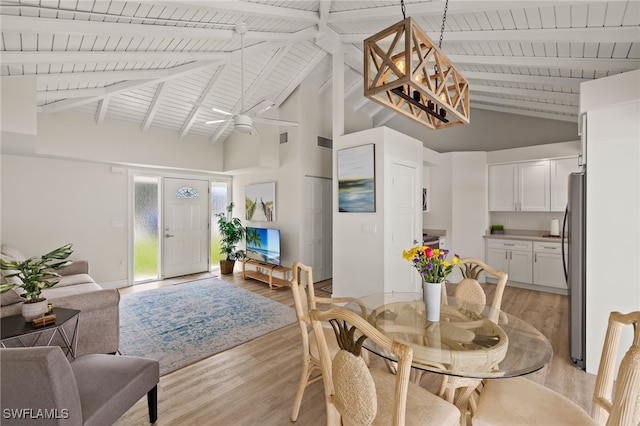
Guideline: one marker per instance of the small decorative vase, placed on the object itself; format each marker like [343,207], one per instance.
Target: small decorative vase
[34,310]
[432,295]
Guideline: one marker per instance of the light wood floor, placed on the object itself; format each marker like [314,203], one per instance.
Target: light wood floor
[254,383]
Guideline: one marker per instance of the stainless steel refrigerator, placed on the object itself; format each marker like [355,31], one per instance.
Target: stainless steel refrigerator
[574,231]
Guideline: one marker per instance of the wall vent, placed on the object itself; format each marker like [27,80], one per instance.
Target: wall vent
[284,137]
[325,142]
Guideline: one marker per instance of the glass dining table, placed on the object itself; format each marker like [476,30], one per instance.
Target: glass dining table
[470,342]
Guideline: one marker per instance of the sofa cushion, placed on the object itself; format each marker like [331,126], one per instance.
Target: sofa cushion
[10,297]
[75,279]
[56,292]
[12,252]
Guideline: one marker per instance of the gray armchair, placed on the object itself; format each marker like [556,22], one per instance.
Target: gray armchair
[40,386]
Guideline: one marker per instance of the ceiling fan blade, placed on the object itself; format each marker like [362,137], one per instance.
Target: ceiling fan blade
[273,121]
[219,111]
[217,121]
[259,108]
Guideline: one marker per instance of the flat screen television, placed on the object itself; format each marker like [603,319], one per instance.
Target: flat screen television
[263,245]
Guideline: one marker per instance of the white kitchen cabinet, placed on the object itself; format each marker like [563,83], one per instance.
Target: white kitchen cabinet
[548,270]
[533,181]
[515,257]
[560,169]
[519,186]
[502,187]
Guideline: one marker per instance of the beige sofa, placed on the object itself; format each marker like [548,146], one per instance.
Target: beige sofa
[99,326]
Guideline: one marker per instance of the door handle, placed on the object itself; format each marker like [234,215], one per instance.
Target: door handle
[169,235]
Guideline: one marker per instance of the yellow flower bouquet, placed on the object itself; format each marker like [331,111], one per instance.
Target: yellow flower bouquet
[432,264]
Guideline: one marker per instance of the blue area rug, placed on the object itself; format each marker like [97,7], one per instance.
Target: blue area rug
[184,323]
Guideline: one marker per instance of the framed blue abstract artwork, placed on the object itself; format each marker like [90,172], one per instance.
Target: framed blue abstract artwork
[356,179]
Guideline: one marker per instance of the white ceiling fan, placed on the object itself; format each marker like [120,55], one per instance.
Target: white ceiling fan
[243,121]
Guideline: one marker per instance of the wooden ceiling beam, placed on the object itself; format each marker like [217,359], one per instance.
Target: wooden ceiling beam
[433,8]
[553,35]
[154,106]
[30,24]
[573,83]
[541,94]
[540,106]
[529,113]
[597,64]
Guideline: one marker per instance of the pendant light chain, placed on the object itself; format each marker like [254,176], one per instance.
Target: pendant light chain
[404,16]
[444,19]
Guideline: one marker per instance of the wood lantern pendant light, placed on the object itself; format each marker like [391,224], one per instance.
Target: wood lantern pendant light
[405,71]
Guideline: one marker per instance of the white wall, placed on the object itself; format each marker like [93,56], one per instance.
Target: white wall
[439,216]
[18,108]
[536,152]
[77,136]
[613,204]
[469,204]
[490,131]
[62,189]
[299,157]
[459,202]
[50,202]
[360,263]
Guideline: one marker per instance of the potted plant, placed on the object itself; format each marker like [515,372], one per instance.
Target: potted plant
[35,274]
[231,233]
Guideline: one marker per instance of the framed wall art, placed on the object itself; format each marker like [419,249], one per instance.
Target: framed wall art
[260,202]
[356,179]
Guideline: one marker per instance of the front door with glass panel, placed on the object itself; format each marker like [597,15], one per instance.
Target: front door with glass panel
[185,230]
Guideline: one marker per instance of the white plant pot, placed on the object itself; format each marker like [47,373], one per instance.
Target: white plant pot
[34,310]
[432,295]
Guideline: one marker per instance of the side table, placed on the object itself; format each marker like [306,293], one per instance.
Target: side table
[15,327]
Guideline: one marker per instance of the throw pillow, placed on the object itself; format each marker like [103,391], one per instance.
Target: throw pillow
[12,252]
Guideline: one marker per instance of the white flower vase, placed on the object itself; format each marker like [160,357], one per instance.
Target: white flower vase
[34,310]
[432,295]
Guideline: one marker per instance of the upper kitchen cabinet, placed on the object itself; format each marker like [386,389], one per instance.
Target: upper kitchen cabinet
[560,171]
[519,187]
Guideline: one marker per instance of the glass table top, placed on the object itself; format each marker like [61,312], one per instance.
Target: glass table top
[469,340]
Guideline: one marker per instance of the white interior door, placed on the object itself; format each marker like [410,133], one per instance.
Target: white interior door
[317,226]
[405,223]
[186,227]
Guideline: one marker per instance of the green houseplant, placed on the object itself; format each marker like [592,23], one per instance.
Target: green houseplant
[231,233]
[34,275]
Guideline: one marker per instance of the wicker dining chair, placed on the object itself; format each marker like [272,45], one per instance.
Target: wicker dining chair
[521,401]
[453,388]
[358,395]
[305,300]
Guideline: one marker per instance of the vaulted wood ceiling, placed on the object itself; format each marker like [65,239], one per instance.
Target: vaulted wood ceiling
[167,64]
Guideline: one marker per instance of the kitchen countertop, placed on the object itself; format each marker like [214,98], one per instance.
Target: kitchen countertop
[525,236]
